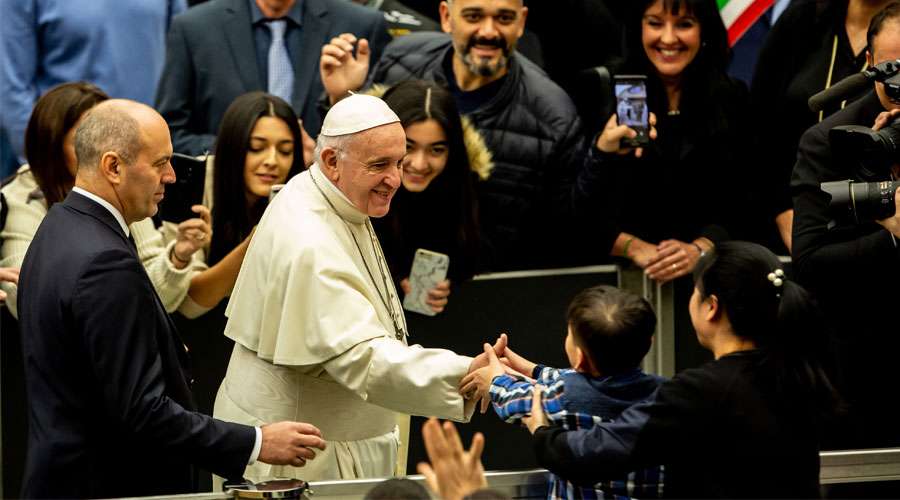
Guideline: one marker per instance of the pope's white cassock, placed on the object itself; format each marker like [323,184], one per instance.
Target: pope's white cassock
[315,340]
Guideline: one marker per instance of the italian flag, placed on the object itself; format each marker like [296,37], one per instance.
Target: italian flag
[739,15]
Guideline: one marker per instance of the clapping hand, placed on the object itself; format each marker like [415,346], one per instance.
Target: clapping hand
[340,70]
[477,384]
[193,234]
[454,472]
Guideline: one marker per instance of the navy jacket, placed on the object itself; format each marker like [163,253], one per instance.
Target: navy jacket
[722,431]
[110,406]
[211,60]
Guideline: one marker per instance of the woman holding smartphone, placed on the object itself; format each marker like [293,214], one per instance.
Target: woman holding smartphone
[436,207]
[674,196]
[50,175]
[259,145]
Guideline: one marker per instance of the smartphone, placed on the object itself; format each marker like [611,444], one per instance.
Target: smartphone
[186,191]
[631,107]
[275,189]
[428,269]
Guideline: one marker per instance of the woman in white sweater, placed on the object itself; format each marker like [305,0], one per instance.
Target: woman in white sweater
[49,176]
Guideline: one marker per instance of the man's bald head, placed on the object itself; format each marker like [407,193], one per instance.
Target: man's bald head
[112,126]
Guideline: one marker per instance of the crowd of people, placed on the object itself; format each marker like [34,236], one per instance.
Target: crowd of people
[449,138]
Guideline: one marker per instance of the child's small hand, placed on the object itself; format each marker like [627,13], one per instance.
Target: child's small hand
[516,362]
[477,384]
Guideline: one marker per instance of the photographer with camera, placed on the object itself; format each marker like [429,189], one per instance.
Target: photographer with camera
[846,229]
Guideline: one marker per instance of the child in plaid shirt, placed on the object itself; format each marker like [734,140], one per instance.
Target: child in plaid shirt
[609,333]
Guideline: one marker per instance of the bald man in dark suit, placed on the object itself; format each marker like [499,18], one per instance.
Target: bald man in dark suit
[110,406]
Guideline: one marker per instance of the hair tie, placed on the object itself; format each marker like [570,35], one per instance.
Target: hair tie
[776,277]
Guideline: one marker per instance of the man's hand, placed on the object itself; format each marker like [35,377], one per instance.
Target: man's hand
[884,118]
[309,146]
[477,384]
[193,234]
[610,140]
[674,259]
[289,443]
[454,472]
[537,418]
[892,223]
[437,296]
[10,274]
[340,70]
[483,360]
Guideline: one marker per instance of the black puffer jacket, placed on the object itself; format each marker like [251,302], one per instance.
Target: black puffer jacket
[533,130]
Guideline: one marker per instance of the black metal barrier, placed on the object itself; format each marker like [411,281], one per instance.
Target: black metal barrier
[531,308]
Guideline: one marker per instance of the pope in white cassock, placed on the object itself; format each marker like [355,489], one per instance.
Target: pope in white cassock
[319,332]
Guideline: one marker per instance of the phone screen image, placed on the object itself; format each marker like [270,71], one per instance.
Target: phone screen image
[631,106]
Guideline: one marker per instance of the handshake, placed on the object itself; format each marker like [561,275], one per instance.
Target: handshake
[496,360]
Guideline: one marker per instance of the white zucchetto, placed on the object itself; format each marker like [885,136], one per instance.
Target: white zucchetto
[357,113]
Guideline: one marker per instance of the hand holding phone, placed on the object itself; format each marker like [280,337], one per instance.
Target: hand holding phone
[631,108]
[428,270]
[187,190]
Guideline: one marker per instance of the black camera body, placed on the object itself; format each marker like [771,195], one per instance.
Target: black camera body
[872,154]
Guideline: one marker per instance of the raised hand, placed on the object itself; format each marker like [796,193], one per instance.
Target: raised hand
[454,473]
[477,384]
[193,234]
[289,443]
[340,70]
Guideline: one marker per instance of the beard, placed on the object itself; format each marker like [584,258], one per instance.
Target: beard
[484,66]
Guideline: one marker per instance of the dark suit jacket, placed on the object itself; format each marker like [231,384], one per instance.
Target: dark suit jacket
[110,406]
[211,60]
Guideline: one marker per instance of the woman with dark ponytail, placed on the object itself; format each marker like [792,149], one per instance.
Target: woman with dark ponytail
[744,425]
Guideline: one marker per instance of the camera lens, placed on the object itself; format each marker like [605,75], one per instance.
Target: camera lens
[874,200]
[861,201]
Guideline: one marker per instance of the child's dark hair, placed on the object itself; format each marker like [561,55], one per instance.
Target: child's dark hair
[614,327]
[398,488]
[777,314]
